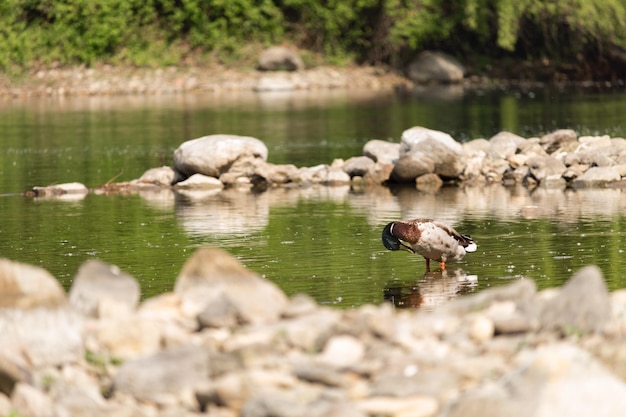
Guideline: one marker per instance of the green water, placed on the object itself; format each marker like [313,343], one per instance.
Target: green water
[321,241]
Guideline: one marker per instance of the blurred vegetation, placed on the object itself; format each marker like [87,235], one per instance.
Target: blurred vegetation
[164,32]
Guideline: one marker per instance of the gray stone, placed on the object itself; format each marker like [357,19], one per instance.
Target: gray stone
[382,151]
[544,168]
[562,140]
[280,58]
[446,153]
[336,176]
[11,373]
[412,165]
[212,273]
[378,173]
[46,336]
[583,304]
[555,380]
[358,166]
[28,286]
[425,382]
[162,176]
[29,401]
[96,282]
[199,181]
[273,173]
[214,154]
[431,66]
[71,190]
[504,144]
[596,176]
[221,312]
[167,373]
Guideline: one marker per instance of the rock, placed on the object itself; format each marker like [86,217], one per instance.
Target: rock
[97,282]
[341,351]
[12,372]
[272,173]
[433,383]
[431,66]
[72,190]
[42,336]
[582,306]
[555,380]
[545,168]
[504,144]
[481,329]
[214,154]
[199,181]
[446,153]
[31,402]
[28,286]
[379,173]
[562,140]
[128,337]
[219,313]
[76,393]
[521,292]
[358,166]
[280,58]
[596,176]
[412,165]
[382,151]
[164,376]
[163,176]
[336,176]
[414,406]
[211,274]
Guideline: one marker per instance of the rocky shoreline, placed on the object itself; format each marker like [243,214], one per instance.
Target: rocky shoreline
[227,342]
[427,158]
[112,80]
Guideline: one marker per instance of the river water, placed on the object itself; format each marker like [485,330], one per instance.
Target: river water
[324,241]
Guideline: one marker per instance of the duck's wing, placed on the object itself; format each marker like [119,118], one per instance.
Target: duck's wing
[464,240]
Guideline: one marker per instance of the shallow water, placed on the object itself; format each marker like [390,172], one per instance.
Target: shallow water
[321,241]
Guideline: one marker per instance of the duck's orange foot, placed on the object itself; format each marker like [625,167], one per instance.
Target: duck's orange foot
[442,265]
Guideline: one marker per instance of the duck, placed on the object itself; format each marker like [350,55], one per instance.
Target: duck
[433,240]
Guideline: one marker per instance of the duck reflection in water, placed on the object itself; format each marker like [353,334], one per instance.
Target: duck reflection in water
[432,290]
[429,238]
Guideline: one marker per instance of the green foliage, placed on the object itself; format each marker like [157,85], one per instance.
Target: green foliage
[165,32]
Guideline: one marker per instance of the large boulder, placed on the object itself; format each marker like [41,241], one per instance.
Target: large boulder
[214,154]
[504,144]
[582,306]
[28,286]
[446,153]
[212,276]
[98,284]
[382,151]
[280,58]
[430,66]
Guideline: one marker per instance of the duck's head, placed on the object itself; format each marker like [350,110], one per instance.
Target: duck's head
[391,242]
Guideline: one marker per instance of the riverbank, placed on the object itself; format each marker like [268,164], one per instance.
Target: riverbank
[120,80]
[106,80]
[226,342]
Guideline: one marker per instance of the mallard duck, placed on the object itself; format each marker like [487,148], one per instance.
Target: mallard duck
[431,239]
